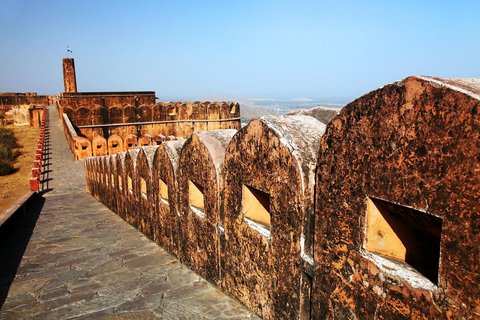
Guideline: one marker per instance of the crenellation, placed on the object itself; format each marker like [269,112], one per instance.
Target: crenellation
[304,220]
[165,174]
[99,146]
[201,170]
[128,114]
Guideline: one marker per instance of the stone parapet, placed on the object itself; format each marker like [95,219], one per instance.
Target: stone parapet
[374,215]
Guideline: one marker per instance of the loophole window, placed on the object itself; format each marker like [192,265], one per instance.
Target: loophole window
[163,188]
[196,198]
[256,209]
[143,187]
[405,235]
[130,184]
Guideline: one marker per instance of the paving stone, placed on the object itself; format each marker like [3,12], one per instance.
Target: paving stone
[81,261]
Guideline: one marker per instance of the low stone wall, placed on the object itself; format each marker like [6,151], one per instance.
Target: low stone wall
[374,216]
[81,147]
[178,120]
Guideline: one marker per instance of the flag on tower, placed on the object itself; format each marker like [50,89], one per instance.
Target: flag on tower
[69,50]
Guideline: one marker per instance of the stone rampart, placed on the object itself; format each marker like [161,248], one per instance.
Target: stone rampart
[23,108]
[200,186]
[173,119]
[373,216]
[398,203]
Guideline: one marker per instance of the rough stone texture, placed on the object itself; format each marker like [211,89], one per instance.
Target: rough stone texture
[276,155]
[201,162]
[145,141]
[131,192]
[99,146]
[69,77]
[21,108]
[144,205]
[113,199]
[129,114]
[83,148]
[75,259]
[115,144]
[120,184]
[415,143]
[166,221]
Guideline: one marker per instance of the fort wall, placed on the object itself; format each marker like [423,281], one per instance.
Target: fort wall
[180,121]
[121,121]
[373,216]
[23,108]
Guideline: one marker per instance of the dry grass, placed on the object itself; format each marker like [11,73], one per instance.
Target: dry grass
[15,185]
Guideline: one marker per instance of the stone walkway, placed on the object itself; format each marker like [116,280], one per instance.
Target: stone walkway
[75,259]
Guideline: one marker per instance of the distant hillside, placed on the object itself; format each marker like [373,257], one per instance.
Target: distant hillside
[249,111]
[322,114]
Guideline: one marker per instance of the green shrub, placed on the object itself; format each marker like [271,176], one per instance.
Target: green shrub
[6,166]
[7,143]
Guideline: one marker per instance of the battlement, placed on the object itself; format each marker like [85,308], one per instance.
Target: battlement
[373,215]
[98,117]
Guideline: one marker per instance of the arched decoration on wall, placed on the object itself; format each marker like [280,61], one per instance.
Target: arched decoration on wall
[115,114]
[83,117]
[99,115]
[145,114]
[130,114]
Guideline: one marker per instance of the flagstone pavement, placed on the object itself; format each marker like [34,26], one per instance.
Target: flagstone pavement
[73,258]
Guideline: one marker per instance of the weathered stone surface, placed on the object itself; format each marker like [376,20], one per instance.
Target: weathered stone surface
[133,114]
[74,258]
[201,168]
[83,148]
[144,192]
[274,155]
[69,77]
[166,220]
[115,144]
[413,143]
[120,179]
[99,146]
[131,186]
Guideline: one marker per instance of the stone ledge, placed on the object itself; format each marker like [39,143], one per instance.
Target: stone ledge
[15,213]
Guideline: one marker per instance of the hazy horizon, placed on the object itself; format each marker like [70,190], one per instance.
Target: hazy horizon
[185,50]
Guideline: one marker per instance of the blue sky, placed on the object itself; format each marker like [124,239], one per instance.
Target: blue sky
[252,49]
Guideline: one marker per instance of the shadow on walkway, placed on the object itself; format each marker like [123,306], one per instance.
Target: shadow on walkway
[13,247]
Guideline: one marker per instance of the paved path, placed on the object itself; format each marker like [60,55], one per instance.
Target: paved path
[75,259]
